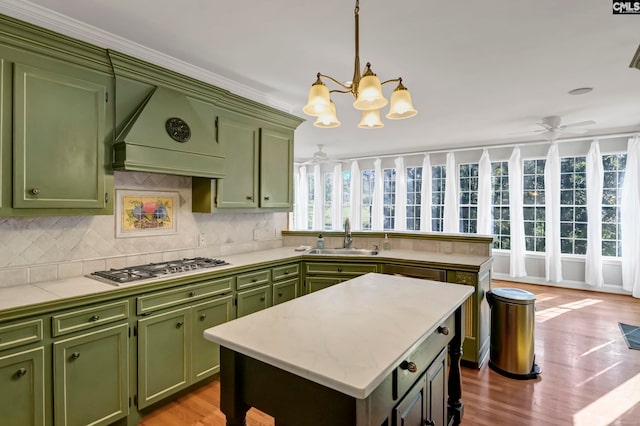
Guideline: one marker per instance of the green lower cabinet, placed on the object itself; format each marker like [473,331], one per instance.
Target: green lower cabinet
[205,355]
[22,400]
[91,377]
[254,300]
[285,291]
[318,283]
[163,359]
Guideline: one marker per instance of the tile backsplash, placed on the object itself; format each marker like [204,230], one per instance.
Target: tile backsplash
[39,249]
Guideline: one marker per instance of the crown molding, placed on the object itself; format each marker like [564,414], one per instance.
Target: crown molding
[70,27]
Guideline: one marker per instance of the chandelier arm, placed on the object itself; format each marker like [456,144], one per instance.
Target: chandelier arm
[349,88]
[339,91]
[392,81]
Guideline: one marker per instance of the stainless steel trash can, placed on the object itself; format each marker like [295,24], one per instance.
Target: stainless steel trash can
[512,342]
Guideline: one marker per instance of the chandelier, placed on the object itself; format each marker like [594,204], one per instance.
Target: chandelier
[367,91]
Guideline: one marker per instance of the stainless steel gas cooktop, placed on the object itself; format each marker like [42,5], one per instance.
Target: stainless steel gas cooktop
[156,270]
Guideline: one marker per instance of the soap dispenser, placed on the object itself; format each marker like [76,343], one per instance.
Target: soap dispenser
[386,244]
[320,243]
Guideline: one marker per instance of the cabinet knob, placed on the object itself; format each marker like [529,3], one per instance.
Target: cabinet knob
[202,317]
[250,197]
[279,294]
[262,299]
[266,197]
[75,356]
[339,269]
[254,280]
[94,318]
[443,329]
[35,191]
[179,324]
[192,293]
[411,367]
[286,272]
[21,372]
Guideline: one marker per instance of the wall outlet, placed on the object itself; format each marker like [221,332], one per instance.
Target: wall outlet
[202,241]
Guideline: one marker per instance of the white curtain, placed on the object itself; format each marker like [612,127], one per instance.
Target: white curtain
[377,219]
[485,220]
[425,195]
[553,255]
[630,224]
[302,199]
[355,200]
[595,176]
[401,195]
[451,209]
[318,201]
[516,257]
[336,198]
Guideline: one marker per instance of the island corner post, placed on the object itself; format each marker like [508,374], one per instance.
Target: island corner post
[293,401]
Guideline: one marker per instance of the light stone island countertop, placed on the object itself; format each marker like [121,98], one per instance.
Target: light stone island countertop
[347,337]
[50,291]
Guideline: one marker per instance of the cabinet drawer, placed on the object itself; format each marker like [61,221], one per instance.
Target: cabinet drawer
[285,290]
[22,333]
[422,357]
[187,293]
[89,318]
[316,268]
[253,300]
[283,272]
[253,278]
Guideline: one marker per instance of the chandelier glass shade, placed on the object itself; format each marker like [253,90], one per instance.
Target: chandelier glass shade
[367,91]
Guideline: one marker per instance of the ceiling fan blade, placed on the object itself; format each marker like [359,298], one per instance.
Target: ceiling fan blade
[545,126]
[572,131]
[578,124]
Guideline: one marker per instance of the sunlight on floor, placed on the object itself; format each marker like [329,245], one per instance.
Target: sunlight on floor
[610,406]
[599,373]
[549,313]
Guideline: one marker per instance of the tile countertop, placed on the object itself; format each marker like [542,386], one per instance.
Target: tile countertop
[347,337]
[49,291]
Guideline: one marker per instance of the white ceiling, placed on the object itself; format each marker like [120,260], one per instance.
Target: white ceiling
[478,71]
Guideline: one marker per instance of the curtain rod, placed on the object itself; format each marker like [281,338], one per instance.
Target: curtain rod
[510,145]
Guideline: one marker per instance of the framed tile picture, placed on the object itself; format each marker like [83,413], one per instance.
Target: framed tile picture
[146,213]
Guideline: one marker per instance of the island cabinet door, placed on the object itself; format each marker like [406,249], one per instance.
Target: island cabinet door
[22,388]
[91,377]
[411,410]
[436,378]
[163,361]
[205,355]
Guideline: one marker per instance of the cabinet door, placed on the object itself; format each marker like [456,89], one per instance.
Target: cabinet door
[58,138]
[254,300]
[22,388]
[318,283]
[163,360]
[205,355]
[91,377]
[239,188]
[276,169]
[410,411]
[436,377]
[285,290]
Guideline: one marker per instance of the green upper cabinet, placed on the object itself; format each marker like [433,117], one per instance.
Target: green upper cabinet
[276,169]
[56,126]
[58,139]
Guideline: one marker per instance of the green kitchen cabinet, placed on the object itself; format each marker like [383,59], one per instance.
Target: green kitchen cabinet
[323,274]
[253,300]
[22,387]
[318,283]
[286,290]
[163,355]
[205,355]
[91,377]
[276,169]
[56,126]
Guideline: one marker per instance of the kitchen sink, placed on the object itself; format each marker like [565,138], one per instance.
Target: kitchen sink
[344,251]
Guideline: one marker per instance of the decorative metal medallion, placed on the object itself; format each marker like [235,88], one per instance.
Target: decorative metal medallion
[178,129]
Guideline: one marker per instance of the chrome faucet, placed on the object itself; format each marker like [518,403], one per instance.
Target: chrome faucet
[347,234]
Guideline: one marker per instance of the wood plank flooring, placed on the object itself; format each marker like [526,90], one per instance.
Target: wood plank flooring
[589,376]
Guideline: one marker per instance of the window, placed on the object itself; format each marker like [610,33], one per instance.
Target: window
[346,194]
[500,205]
[533,204]
[469,198]
[328,196]
[368,178]
[312,197]
[414,191]
[614,166]
[389,198]
[438,180]
[573,205]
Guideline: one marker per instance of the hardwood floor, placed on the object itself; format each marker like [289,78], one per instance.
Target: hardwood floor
[589,376]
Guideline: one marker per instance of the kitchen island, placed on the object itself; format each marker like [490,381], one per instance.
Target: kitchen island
[369,351]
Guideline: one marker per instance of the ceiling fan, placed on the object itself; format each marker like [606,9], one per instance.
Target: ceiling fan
[551,127]
[320,157]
